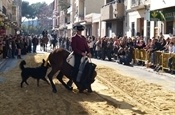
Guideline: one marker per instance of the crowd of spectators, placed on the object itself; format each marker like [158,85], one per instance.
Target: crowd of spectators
[121,49]
[15,46]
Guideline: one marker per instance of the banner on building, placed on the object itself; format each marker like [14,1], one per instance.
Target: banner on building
[166,14]
[157,16]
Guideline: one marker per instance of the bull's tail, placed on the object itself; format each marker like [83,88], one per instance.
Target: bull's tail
[21,65]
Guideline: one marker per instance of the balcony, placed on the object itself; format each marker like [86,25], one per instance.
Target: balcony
[69,10]
[112,10]
[55,13]
[139,4]
[14,18]
[78,18]
[14,9]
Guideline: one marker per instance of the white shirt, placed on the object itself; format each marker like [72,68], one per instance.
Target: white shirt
[171,49]
[91,44]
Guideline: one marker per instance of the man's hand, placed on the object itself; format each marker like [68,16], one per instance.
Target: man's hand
[89,55]
[83,54]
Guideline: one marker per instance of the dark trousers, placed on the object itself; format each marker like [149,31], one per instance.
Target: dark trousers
[4,52]
[170,63]
[13,52]
[125,59]
[29,48]
[92,51]
[34,48]
[76,66]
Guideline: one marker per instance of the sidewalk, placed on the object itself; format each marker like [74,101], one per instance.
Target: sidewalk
[165,80]
[2,62]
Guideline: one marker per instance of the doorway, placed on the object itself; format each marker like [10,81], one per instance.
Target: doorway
[140,26]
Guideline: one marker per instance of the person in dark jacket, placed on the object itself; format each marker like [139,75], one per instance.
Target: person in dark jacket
[155,47]
[35,43]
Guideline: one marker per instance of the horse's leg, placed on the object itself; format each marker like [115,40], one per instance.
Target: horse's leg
[60,78]
[69,83]
[50,76]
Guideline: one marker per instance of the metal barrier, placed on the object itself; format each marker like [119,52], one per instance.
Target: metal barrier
[141,55]
[161,58]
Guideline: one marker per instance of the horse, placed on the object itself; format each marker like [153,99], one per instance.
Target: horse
[44,42]
[57,60]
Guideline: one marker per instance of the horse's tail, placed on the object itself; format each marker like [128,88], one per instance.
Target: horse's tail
[21,65]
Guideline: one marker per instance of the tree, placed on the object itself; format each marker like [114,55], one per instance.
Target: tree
[64,4]
[27,10]
[41,11]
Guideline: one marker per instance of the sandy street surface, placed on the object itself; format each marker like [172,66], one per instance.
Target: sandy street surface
[114,94]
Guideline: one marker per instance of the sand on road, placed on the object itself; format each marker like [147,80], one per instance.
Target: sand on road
[114,94]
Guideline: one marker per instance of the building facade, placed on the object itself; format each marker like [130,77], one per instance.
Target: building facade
[112,17]
[117,17]
[10,16]
[137,18]
[78,11]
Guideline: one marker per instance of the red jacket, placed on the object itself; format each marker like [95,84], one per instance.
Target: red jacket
[79,44]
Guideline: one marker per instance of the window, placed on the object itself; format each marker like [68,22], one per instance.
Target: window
[133,29]
[133,2]
[148,28]
[108,1]
[169,27]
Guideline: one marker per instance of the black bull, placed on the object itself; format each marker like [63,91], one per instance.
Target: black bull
[57,60]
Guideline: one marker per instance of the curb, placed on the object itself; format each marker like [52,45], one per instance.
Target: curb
[2,63]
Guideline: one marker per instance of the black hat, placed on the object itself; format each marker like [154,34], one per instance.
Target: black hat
[78,27]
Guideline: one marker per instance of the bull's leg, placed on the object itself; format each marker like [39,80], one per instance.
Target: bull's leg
[79,86]
[60,78]
[89,89]
[22,83]
[23,80]
[45,80]
[50,76]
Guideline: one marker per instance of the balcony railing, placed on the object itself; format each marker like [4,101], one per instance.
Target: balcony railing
[139,3]
[112,10]
[69,10]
